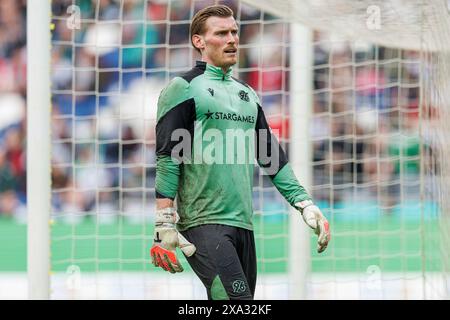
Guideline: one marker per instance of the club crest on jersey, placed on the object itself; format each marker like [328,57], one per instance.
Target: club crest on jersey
[211,91]
[244,95]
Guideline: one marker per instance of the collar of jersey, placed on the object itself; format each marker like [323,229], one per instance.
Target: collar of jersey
[213,71]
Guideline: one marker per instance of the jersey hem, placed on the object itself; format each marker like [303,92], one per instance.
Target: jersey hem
[226,223]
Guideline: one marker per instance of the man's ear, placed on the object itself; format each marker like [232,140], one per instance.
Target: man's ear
[198,41]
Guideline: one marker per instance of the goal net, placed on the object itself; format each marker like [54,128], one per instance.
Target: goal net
[358,93]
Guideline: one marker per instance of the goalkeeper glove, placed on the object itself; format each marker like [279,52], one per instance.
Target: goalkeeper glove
[314,218]
[166,239]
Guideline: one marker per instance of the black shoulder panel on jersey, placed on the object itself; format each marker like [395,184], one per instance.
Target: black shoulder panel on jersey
[182,116]
[196,71]
[241,82]
[269,153]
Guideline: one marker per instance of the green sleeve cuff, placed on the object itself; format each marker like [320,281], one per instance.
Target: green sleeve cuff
[289,187]
[167,176]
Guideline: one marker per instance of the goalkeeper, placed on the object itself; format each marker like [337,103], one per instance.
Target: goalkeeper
[212,220]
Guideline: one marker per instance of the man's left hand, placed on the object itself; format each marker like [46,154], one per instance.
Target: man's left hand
[314,218]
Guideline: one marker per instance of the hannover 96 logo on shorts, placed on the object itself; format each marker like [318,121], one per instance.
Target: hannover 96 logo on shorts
[238,286]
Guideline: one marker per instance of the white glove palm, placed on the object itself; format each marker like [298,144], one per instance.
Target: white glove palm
[167,239]
[314,218]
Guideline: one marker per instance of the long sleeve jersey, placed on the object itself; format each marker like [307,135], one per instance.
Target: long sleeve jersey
[210,129]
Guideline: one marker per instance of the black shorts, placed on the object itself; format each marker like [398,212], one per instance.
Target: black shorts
[225,260]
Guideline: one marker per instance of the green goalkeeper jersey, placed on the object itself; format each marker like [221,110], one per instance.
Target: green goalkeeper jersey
[210,129]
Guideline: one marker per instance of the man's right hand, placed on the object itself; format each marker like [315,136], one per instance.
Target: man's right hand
[167,239]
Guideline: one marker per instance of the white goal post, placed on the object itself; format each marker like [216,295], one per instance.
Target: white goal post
[300,95]
[38,148]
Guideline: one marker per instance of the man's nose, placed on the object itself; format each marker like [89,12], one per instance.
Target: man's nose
[231,38]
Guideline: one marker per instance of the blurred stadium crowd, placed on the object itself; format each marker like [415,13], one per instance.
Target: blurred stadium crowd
[106,78]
